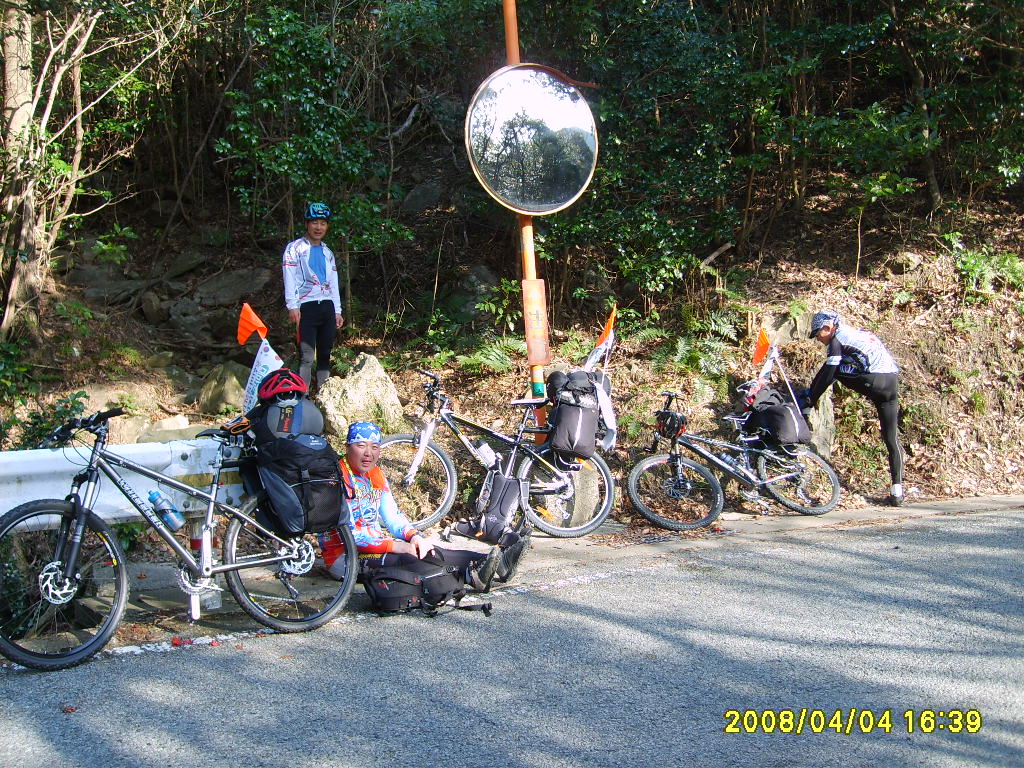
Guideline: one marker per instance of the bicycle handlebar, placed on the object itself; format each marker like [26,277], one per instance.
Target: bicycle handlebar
[63,433]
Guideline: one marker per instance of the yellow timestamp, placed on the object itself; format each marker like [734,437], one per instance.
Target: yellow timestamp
[852,720]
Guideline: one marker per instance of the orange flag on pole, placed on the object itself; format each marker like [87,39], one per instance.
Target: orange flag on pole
[763,345]
[248,322]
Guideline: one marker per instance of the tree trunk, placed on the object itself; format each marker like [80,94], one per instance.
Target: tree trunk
[20,271]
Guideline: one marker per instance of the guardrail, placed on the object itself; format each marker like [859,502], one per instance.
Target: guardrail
[46,474]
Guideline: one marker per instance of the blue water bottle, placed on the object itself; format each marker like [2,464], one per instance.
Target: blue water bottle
[164,507]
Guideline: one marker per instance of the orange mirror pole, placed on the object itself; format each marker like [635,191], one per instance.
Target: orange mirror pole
[535,308]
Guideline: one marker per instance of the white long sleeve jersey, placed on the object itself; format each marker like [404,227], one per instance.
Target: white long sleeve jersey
[301,283]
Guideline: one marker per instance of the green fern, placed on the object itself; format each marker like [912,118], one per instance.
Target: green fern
[495,355]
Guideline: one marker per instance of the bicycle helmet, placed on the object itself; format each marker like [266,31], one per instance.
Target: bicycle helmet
[317,211]
[671,424]
[281,383]
[821,319]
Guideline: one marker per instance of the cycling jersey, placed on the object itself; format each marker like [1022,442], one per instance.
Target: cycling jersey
[373,511]
[852,354]
[301,283]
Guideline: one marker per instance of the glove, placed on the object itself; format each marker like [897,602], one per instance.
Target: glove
[803,399]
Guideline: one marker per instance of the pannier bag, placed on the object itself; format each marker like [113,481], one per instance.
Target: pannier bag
[581,406]
[495,505]
[298,468]
[425,584]
[776,420]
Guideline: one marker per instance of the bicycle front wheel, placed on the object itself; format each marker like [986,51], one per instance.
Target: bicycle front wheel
[679,497]
[48,620]
[294,595]
[566,503]
[799,480]
[428,496]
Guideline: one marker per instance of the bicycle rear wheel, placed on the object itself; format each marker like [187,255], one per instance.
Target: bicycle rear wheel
[48,621]
[295,595]
[431,493]
[570,503]
[799,480]
[680,498]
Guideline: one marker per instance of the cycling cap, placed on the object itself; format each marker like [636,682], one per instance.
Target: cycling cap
[317,211]
[280,382]
[363,432]
[821,319]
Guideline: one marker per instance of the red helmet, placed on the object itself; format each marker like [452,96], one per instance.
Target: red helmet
[280,382]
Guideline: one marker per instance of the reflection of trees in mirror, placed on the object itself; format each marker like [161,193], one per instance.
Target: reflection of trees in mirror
[532,140]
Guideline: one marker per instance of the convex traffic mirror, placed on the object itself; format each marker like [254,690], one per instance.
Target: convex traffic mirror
[531,138]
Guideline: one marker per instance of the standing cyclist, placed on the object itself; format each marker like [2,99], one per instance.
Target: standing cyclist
[859,360]
[311,294]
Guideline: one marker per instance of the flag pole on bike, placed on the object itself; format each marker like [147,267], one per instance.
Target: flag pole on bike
[267,359]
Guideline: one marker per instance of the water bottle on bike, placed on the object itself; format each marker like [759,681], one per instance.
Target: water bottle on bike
[164,507]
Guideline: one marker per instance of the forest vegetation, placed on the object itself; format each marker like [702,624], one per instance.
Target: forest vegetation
[757,160]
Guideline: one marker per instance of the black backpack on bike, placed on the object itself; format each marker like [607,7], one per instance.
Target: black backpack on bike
[775,419]
[298,468]
[576,412]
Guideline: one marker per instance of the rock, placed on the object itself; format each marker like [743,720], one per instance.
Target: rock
[422,197]
[224,388]
[169,435]
[160,359]
[906,261]
[822,423]
[187,316]
[230,288]
[178,421]
[153,309]
[365,394]
[184,263]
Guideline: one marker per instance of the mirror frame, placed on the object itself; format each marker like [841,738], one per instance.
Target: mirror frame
[485,183]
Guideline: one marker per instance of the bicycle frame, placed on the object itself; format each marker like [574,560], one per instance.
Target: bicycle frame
[440,406]
[705,447]
[105,461]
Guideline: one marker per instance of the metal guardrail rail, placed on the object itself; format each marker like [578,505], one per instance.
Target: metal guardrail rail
[46,474]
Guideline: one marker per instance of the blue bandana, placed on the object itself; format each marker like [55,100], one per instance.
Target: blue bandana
[363,432]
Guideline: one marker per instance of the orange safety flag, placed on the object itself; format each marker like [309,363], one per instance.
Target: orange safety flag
[248,322]
[763,345]
[609,328]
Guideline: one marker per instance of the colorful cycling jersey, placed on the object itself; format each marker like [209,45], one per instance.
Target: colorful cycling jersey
[301,283]
[851,353]
[373,510]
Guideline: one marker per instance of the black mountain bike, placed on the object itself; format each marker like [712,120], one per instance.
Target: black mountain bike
[562,499]
[64,576]
[680,494]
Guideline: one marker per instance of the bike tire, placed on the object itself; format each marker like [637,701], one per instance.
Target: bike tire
[432,492]
[567,504]
[813,491]
[692,500]
[71,623]
[295,596]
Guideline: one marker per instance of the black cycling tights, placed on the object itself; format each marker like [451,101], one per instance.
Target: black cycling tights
[882,389]
[317,329]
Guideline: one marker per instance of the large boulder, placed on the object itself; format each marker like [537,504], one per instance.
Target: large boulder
[366,393]
[224,388]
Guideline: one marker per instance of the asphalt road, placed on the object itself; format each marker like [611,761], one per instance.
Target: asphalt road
[630,658]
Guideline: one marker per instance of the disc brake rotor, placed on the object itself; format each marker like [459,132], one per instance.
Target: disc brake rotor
[54,586]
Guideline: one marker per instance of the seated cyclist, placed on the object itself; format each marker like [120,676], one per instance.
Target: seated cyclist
[859,360]
[385,537]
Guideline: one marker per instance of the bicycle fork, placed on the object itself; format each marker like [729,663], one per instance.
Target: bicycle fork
[424,437]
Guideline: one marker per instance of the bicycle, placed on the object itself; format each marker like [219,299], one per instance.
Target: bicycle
[64,576]
[680,494]
[563,500]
